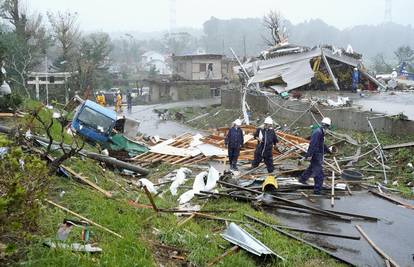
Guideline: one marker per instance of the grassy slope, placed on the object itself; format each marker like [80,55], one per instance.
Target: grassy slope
[199,236]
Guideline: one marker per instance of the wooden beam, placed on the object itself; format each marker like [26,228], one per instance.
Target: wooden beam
[376,248]
[83,218]
[86,181]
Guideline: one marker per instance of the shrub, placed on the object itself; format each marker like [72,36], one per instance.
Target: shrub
[24,183]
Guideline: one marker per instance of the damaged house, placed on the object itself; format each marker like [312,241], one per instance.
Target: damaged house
[287,67]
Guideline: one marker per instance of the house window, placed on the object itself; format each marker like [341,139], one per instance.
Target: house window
[203,67]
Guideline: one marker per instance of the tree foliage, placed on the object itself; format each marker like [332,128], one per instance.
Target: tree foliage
[25,46]
[23,184]
[380,65]
[93,60]
[404,54]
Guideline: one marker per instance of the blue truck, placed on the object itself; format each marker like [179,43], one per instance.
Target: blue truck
[94,122]
[99,125]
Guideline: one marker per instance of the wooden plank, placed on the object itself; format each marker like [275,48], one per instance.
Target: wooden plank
[398,146]
[376,248]
[83,218]
[392,199]
[86,181]
[219,258]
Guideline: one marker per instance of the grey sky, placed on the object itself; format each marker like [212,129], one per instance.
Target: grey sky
[152,15]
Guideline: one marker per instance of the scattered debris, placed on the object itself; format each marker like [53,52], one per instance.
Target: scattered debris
[236,235]
[76,247]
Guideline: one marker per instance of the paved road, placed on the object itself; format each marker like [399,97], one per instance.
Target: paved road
[152,125]
[389,104]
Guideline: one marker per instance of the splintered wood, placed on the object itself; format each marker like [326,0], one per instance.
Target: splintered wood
[183,141]
[182,150]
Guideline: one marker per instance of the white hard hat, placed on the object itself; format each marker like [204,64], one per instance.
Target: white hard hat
[268,120]
[355,68]
[237,122]
[326,121]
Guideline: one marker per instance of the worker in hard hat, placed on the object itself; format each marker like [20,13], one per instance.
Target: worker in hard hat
[102,99]
[118,102]
[266,138]
[234,141]
[316,151]
[355,79]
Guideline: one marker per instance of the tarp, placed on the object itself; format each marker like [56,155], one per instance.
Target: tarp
[120,142]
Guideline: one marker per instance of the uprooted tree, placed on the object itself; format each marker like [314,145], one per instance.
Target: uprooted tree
[276,26]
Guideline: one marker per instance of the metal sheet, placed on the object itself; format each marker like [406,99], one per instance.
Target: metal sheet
[236,235]
[294,74]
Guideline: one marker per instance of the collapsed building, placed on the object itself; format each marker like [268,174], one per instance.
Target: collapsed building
[287,67]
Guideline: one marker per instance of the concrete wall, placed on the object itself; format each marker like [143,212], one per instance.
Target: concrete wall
[343,118]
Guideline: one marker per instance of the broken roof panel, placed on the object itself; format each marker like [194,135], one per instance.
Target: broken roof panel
[294,74]
[236,235]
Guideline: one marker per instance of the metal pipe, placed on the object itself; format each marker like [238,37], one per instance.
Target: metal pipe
[330,214]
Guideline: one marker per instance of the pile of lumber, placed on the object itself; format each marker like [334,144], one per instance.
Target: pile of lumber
[183,150]
[182,141]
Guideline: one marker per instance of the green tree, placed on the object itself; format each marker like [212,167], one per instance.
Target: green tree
[93,60]
[380,65]
[25,45]
[404,54]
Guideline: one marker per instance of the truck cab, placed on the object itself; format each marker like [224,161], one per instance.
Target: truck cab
[94,122]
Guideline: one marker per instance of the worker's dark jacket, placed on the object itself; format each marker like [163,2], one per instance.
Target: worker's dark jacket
[265,146]
[317,146]
[234,138]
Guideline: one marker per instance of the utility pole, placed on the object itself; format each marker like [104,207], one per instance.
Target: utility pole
[244,47]
[173,16]
[388,11]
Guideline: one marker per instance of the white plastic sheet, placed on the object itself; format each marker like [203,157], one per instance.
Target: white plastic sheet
[148,184]
[212,178]
[179,179]
[198,186]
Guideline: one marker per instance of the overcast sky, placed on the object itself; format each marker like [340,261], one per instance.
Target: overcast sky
[153,15]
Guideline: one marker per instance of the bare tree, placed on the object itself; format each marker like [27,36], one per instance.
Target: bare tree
[275,24]
[65,30]
[55,132]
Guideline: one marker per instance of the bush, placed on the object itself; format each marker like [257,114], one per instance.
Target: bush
[24,183]
[10,102]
